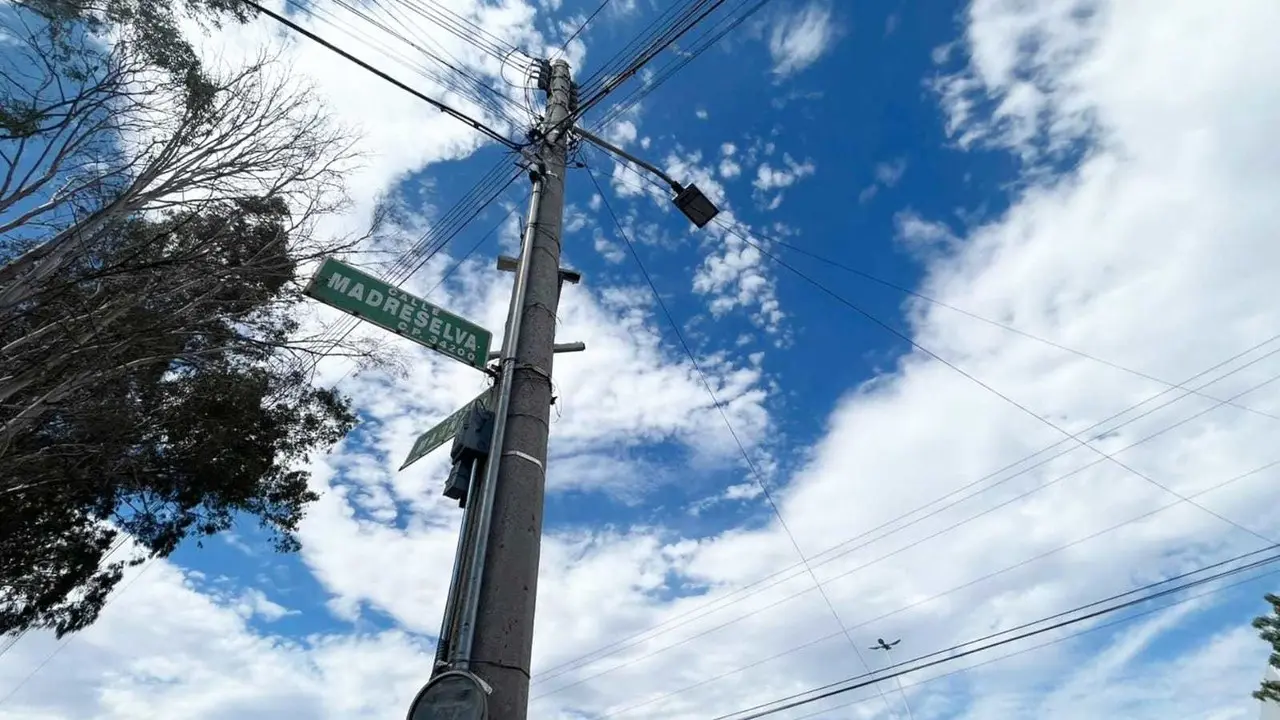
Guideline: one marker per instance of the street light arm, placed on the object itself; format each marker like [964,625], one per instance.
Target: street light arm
[606,145]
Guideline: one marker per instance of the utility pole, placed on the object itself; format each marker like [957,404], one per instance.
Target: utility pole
[499,646]
[486,641]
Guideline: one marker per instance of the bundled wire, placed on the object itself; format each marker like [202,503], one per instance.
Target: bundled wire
[1257,559]
[939,505]
[663,33]
[481,195]
[482,128]
[436,65]
[725,25]
[564,47]
[464,29]
[833,553]
[756,475]
[673,24]
[471,86]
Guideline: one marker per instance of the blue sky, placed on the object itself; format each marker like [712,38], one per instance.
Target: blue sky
[1034,164]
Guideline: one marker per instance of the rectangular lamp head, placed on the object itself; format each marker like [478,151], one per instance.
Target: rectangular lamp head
[696,206]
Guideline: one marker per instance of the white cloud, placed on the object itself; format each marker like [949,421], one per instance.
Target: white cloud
[621,133]
[165,650]
[799,39]
[927,239]
[887,175]
[701,113]
[729,166]
[1155,252]
[771,180]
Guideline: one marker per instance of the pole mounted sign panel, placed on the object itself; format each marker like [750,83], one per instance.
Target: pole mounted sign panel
[353,291]
[444,431]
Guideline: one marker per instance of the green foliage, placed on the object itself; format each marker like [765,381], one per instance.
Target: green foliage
[151,26]
[1268,627]
[174,411]
[19,122]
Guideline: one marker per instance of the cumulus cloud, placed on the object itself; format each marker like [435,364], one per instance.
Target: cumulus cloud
[800,38]
[1153,253]
[770,180]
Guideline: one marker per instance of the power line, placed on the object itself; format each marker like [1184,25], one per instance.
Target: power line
[484,192]
[707,41]
[958,651]
[917,603]
[957,369]
[466,30]
[471,86]
[994,323]
[350,29]
[676,31]
[487,95]
[564,47]
[477,125]
[469,206]
[62,645]
[427,248]
[1058,640]
[756,474]
[831,555]
[444,277]
[780,576]
[620,58]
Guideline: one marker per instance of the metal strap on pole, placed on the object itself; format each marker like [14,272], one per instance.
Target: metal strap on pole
[488,487]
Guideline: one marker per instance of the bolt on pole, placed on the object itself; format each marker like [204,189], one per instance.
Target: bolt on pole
[497,644]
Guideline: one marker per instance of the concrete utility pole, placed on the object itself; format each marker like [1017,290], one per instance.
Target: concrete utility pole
[502,648]
[486,640]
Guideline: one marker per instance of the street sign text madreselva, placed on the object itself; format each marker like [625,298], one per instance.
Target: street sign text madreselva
[444,431]
[381,303]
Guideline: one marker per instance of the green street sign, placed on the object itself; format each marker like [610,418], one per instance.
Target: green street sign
[352,291]
[444,431]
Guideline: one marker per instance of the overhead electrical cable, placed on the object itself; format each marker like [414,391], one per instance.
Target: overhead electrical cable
[564,47]
[414,259]
[994,323]
[444,228]
[726,25]
[448,273]
[465,29]
[960,371]
[1214,590]
[631,57]
[830,555]
[1213,715]
[491,96]
[751,465]
[683,25]
[444,78]
[475,87]
[477,125]
[450,75]
[1106,606]
[486,191]
[744,591]
[67,640]
[626,54]
[914,604]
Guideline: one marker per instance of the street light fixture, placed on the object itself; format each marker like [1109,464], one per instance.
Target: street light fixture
[688,200]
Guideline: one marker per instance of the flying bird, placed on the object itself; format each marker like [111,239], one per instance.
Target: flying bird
[884,645]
